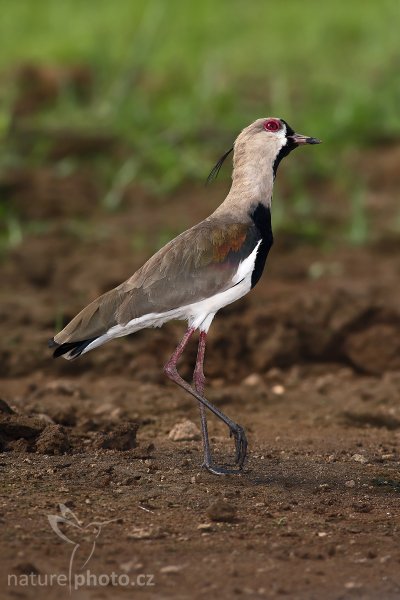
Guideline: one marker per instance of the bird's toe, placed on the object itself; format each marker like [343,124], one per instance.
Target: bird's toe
[240,445]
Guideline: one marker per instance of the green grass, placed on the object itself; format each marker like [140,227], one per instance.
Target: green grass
[177,80]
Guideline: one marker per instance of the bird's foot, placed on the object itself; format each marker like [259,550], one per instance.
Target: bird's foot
[240,444]
[241,450]
[216,470]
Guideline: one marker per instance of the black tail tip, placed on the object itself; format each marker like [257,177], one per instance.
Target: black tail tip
[74,349]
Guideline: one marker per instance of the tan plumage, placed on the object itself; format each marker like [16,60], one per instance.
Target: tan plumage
[202,270]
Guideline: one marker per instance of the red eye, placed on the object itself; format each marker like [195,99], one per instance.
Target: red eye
[272,125]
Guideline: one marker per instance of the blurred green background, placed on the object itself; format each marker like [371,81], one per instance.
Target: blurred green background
[171,83]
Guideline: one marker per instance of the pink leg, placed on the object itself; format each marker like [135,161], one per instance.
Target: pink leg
[198,375]
[236,430]
[199,384]
[171,364]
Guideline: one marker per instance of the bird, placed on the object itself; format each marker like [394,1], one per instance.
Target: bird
[202,270]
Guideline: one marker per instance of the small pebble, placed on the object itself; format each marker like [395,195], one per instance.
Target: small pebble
[171,569]
[350,484]
[204,527]
[184,431]
[130,566]
[352,585]
[145,533]
[253,380]
[221,511]
[359,458]
[278,389]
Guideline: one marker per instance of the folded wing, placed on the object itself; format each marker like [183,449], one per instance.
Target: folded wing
[197,264]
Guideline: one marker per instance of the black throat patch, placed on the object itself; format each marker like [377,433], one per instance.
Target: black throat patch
[261,217]
[286,149]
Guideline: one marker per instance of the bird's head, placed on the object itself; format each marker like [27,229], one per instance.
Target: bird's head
[272,138]
[267,140]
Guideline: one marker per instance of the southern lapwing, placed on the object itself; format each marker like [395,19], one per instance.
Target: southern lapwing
[202,270]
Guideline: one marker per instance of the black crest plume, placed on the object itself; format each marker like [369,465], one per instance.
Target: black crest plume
[216,169]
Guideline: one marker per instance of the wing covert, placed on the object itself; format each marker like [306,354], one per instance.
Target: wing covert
[197,264]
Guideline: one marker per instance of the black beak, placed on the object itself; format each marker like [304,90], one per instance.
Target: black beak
[297,138]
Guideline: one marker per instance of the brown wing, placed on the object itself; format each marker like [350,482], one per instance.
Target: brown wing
[195,265]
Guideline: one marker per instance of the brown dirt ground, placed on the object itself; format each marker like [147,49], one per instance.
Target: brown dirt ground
[310,366]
